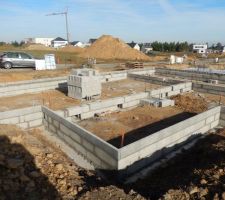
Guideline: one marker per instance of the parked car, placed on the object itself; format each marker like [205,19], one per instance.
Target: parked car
[16,59]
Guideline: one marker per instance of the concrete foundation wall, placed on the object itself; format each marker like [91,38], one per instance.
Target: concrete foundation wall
[89,110]
[94,149]
[153,79]
[222,116]
[22,87]
[25,118]
[120,75]
[137,155]
[192,75]
[147,150]
[209,88]
[171,90]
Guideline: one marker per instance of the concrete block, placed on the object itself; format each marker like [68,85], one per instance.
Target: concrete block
[173,93]
[23,125]
[210,119]
[178,86]
[214,124]
[222,123]
[33,116]
[87,115]
[93,158]
[19,112]
[56,124]
[105,157]
[131,104]
[12,120]
[88,145]
[134,97]
[52,128]
[71,111]
[35,123]
[70,133]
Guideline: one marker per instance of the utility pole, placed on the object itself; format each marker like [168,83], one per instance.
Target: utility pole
[66,18]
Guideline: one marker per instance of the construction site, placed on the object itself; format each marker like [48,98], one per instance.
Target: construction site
[131,130]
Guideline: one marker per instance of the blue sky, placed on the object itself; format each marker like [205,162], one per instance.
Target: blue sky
[138,20]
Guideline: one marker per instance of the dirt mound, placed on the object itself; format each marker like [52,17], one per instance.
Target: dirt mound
[108,47]
[71,48]
[191,103]
[38,47]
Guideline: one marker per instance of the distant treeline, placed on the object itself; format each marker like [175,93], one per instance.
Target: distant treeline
[14,43]
[172,46]
[179,46]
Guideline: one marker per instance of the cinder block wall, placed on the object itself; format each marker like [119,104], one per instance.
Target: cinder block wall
[29,117]
[222,116]
[22,87]
[121,75]
[192,75]
[137,155]
[153,79]
[89,110]
[140,153]
[171,90]
[209,88]
[96,150]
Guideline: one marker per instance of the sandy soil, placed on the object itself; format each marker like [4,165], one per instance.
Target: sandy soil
[57,100]
[125,87]
[13,76]
[135,124]
[53,99]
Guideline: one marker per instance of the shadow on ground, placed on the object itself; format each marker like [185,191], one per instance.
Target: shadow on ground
[20,178]
[201,167]
[145,131]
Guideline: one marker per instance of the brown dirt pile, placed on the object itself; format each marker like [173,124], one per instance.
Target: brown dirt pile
[33,168]
[72,49]
[108,47]
[191,103]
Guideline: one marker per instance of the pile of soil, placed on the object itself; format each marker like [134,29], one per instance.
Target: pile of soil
[72,49]
[40,47]
[33,168]
[108,47]
[192,102]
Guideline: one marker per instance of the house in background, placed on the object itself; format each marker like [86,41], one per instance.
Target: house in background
[134,45]
[77,44]
[146,47]
[200,48]
[44,41]
[223,50]
[59,42]
[91,41]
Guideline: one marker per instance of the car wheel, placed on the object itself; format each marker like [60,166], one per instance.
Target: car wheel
[7,65]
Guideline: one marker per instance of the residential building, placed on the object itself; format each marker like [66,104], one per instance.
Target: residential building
[78,44]
[91,41]
[146,47]
[44,41]
[134,46]
[200,48]
[59,42]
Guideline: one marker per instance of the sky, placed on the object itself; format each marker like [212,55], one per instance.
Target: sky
[197,21]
